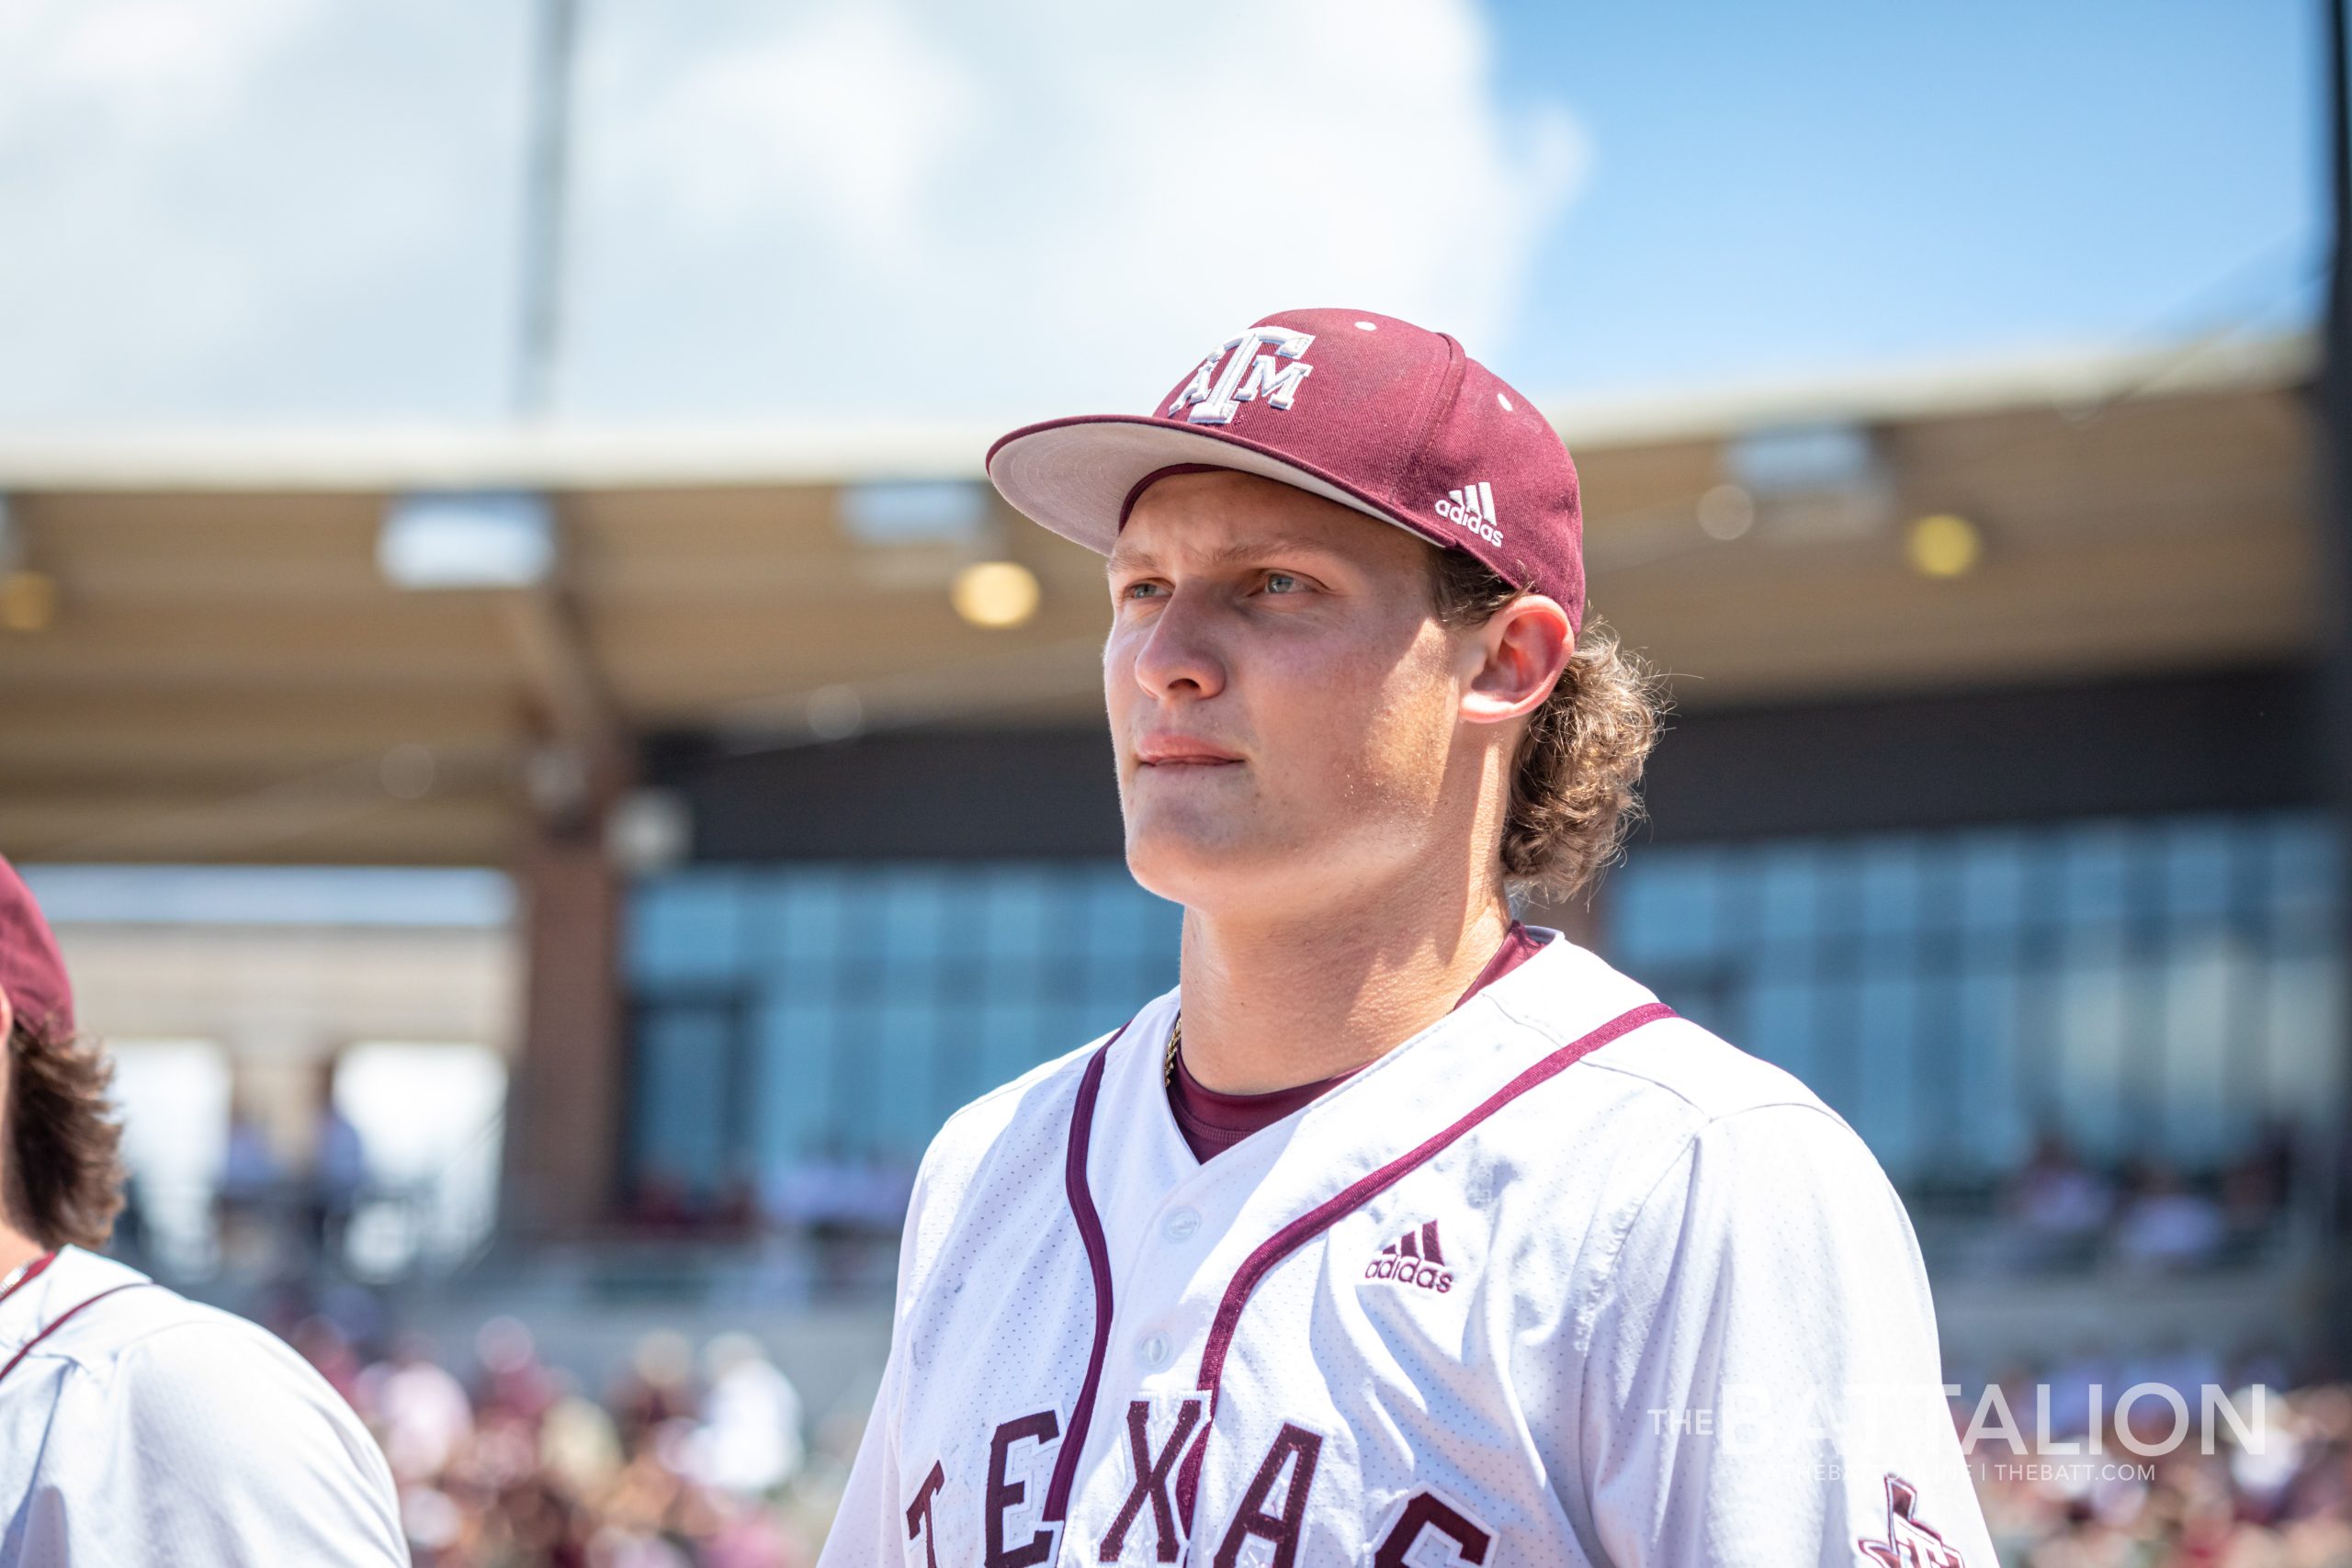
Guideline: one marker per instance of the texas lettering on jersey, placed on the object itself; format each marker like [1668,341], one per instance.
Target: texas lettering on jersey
[1267,1528]
[1471,1306]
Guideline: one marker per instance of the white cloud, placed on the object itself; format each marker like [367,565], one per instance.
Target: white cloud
[253,207]
[932,207]
[153,58]
[837,122]
[846,208]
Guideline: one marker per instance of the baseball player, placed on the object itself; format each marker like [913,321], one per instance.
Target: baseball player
[137,1426]
[1398,1232]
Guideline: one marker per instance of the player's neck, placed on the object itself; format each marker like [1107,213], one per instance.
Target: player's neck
[16,1249]
[1271,1004]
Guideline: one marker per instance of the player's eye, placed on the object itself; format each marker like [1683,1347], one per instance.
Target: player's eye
[1145,590]
[1283,582]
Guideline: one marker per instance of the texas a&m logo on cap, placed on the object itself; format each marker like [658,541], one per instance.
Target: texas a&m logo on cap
[1236,373]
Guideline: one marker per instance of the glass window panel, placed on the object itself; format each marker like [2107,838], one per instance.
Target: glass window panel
[1665,914]
[2147,986]
[2306,1008]
[1781,1027]
[816,908]
[2199,856]
[1989,1121]
[1837,900]
[1786,904]
[794,1083]
[2091,1012]
[2195,1102]
[2303,864]
[1888,887]
[1009,1038]
[1838,1049]
[2093,877]
[879,997]
[681,1099]
[899,912]
[1885,1103]
[1992,872]
[686,930]
[1012,913]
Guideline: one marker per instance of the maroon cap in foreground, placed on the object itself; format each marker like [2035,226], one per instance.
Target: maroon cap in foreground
[1366,410]
[33,971]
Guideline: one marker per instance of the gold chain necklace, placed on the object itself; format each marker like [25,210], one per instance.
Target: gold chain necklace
[16,1275]
[1175,1038]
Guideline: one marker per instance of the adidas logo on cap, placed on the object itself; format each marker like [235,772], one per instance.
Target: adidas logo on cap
[1473,507]
[1414,1259]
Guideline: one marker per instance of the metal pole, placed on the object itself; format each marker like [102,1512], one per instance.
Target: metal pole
[2335,533]
[545,177]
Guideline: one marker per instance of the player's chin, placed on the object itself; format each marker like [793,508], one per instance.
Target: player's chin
[1182,854]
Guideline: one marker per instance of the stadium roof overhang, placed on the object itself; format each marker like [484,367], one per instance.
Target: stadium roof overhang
[226,673]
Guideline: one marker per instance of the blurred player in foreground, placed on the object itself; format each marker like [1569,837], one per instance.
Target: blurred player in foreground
[1400,1233]
[138,1426]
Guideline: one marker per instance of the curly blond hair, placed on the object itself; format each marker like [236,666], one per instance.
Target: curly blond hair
[1575,786]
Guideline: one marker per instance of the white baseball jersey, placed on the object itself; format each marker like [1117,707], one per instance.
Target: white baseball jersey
[1563,1280]
[147,1428]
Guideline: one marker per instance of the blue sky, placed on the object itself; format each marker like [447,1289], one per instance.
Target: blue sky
[1790,188]
[304,211]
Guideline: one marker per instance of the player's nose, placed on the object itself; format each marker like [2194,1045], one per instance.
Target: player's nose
[1179,655]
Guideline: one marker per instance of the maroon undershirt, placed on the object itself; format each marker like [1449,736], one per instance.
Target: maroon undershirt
[1213,1122]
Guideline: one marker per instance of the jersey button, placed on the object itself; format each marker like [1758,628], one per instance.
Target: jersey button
[1181,1225]
[1154,1351]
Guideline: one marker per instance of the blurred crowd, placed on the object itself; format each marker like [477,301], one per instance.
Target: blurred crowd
[708,1459]
[684,1461]
[822,1195]
[2060,1211]
[2281,1500]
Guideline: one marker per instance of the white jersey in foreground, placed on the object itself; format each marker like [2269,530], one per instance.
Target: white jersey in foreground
[1563,1280]
[147,1428]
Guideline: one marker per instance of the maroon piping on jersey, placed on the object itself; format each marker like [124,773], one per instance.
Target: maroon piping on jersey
[1288,1239]
[63,1317]
[1098,1260]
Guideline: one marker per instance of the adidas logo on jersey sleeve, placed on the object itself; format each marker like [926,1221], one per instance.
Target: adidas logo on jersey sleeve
[1473,507]
[1415,1259]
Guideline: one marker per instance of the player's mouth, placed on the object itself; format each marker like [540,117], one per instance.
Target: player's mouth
[1163,750]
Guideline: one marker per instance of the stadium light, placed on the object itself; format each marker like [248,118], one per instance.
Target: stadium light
[467,539]
[995,593]
[649,831]
[27,598]
[27,601]
[1944,545]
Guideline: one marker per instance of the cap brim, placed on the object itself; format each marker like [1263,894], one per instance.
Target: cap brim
[1074,476]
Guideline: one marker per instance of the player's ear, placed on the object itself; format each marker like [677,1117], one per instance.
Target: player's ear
[1517,656]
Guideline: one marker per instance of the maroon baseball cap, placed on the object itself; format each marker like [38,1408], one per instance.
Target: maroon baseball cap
[1367,410]
[33,971]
